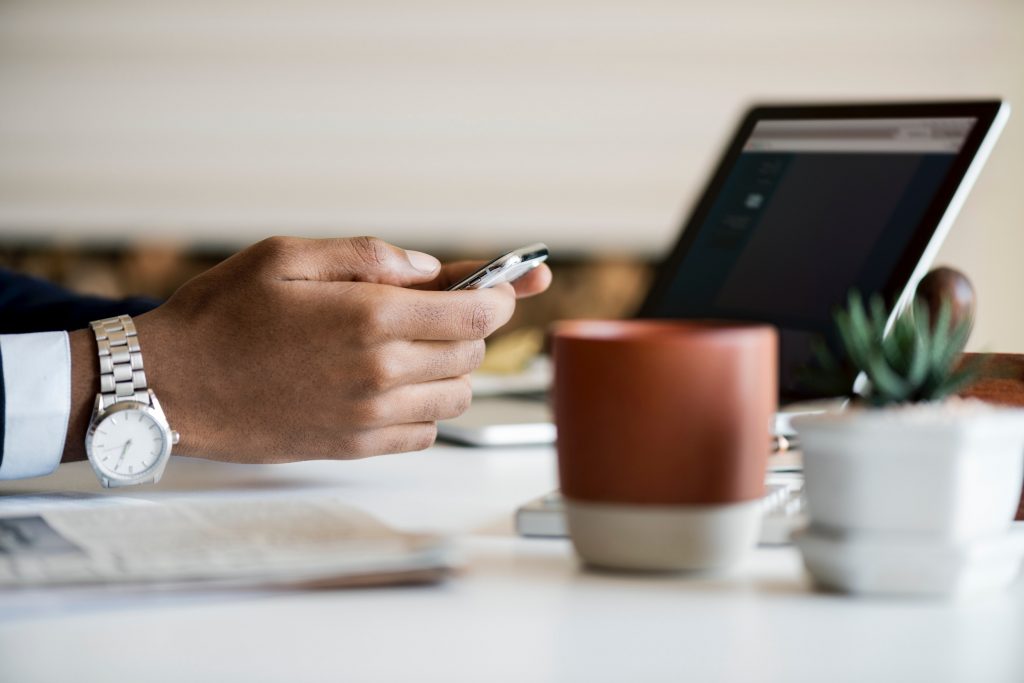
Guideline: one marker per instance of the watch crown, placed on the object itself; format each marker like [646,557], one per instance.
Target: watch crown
[175,437]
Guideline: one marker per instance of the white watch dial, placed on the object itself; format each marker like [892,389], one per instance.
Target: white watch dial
[128,443]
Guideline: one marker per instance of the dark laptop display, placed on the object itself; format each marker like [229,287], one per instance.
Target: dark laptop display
[811,202]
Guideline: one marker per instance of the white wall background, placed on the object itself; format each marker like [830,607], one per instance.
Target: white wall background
[468,123]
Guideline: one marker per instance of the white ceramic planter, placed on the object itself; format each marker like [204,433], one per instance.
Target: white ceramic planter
[954,475]
[881,565]
[885,486]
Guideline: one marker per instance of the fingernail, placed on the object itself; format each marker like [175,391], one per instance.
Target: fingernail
[425,263]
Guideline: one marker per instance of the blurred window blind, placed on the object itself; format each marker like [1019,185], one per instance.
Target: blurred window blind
[588,124]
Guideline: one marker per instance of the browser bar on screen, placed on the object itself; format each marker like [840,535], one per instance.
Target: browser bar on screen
[928,135]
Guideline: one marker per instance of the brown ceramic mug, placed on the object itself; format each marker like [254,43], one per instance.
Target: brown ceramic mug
[664,430]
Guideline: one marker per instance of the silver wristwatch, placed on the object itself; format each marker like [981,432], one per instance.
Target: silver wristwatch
[129,440]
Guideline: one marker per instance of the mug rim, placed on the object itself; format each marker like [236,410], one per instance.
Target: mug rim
[596,329]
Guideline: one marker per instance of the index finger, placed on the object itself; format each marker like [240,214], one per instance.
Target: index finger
[439,315]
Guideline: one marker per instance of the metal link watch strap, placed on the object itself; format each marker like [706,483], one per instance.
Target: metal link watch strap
[121,375]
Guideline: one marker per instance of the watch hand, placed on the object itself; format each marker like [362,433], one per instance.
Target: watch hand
[124,452]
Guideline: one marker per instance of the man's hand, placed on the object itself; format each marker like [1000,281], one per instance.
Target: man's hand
[299,349]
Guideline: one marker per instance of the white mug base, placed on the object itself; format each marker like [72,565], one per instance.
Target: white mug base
[663,537]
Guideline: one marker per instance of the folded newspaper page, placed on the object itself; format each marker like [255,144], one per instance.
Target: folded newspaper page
[247,542]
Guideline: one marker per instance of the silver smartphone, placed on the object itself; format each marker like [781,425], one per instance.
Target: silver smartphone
[506,268]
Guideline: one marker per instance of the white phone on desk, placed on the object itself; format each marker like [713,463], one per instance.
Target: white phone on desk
[506,268]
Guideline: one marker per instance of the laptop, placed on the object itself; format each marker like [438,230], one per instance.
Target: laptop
[807,203]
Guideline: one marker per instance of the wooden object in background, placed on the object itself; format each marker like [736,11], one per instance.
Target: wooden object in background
[948,284]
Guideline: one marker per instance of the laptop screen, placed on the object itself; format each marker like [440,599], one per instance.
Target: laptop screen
[806,210]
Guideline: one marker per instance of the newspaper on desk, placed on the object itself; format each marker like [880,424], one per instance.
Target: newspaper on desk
[244,542]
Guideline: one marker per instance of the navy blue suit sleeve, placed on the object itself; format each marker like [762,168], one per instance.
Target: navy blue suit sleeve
[3,408]
[28,304]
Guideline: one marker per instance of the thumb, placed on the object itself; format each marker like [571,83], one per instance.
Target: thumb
[357,259]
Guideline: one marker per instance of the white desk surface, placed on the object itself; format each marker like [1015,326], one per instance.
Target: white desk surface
[521,610]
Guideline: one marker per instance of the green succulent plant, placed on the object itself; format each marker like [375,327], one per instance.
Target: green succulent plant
[916,362]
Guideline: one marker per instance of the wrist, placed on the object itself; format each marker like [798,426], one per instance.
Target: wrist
[84,385]
[128,439]
[85,380]
[164,371]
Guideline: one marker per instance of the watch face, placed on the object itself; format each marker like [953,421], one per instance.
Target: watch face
[127,443]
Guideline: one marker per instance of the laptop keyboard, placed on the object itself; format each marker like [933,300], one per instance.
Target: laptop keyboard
[782,511]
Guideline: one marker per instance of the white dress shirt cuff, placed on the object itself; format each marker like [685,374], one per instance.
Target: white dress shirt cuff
[37,382]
